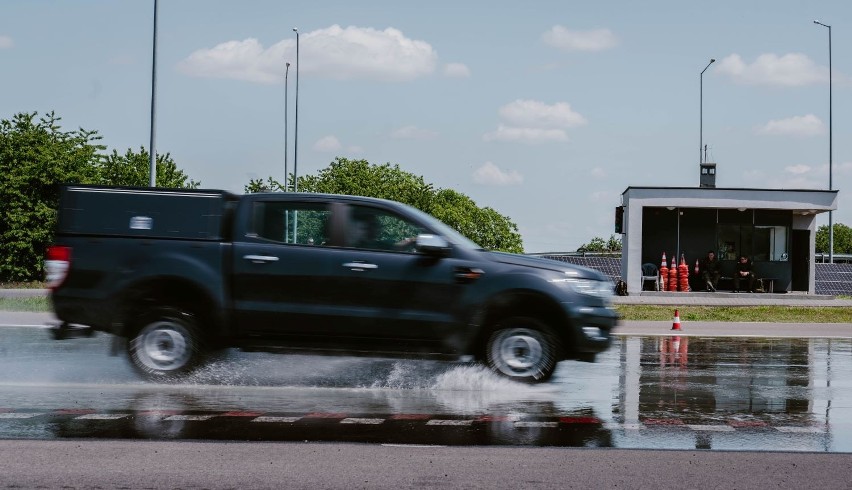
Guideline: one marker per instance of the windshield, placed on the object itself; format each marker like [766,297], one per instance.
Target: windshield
[444,230]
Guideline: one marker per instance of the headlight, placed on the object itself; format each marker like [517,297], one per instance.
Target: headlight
[587,286]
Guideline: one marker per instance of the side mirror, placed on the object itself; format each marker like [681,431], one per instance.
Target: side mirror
[433,245]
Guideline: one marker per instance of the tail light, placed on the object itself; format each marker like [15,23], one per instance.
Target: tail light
[56,265]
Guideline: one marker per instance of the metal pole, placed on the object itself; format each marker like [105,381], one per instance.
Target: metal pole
[830,150]
[296,139]
[286,112]
[830,155]
[152,149]
[701,111]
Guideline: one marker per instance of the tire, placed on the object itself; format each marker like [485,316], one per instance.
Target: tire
[167,345]
[522,349]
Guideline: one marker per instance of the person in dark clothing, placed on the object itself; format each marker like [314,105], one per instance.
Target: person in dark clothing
[744,272]
[708,270]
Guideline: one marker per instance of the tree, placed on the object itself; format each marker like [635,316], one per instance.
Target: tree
[35,156]
[484,226]
[842,239]
[134,169]
[598,244]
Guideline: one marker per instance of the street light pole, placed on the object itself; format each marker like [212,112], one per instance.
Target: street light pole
[286,125]
[152,149]
[701,111]
[296,139]
[830,152]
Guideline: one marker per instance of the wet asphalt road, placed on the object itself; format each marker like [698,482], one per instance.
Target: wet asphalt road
[651,392]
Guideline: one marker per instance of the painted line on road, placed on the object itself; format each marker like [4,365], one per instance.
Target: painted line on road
[449,422]
[190,417]
[711,428]
[362,421]
[536,424]
[19,415]
[267,418]
[102,416]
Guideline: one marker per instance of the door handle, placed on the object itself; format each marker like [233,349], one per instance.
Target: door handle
[360,266]
[261,259]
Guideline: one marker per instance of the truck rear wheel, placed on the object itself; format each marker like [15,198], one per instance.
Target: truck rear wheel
[522,349]
[166,345]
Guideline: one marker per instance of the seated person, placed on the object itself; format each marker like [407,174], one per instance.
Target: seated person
[708,270]
[744,272]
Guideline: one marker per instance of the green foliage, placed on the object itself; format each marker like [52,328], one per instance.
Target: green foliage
[484,226]
[771,313]
[35,156]
[842,239]
[598,244]
[134,169]
[258,185]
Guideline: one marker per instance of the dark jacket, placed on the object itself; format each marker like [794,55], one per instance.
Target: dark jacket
[744,266]
[707,266]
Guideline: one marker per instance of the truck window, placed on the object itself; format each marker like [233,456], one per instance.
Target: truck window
[375,229]
[293,223]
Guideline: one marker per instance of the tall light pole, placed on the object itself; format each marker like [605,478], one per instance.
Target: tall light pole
[286,112]
[701,112]
[830,152]
[152,150]
[296,139]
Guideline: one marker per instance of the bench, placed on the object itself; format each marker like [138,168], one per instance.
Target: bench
[762,284]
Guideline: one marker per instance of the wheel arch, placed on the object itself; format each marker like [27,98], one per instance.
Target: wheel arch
[169,291]
[523,303]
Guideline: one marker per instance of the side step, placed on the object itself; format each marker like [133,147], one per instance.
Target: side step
[65,331]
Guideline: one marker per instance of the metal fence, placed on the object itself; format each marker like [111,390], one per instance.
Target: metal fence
[831,279]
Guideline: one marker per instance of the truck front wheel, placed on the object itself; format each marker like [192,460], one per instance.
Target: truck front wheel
[166,345]
[523,349]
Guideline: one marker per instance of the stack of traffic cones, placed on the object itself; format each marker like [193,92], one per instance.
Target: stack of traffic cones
[664,273]
[683,275]
[673,275]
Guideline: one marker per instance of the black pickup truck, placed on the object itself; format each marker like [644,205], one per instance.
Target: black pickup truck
[182,273]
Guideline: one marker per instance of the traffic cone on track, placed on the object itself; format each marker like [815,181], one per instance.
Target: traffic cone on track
[676,323]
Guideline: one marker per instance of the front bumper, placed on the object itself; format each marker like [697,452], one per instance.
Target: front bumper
[591,329]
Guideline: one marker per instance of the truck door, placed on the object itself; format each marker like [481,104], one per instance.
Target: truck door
[393,296]
[281,270]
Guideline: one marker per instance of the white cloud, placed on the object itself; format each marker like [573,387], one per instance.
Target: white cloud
[334,52]
[789,70]
[327,144]
[413,133]
[535,114]
[6,42]
[598,173]
[525,135]
[355,150]
[456,70]
[490,174]
[568,40]
[798,169]
[808,125]
[531,121]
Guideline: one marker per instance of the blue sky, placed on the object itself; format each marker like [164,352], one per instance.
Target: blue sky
[545,111]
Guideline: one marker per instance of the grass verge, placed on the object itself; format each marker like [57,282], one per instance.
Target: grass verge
[31,303]
[777,314]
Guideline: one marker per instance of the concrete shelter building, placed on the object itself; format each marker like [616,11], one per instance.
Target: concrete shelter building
[776,228]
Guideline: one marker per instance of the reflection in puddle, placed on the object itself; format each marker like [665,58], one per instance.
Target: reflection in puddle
[659,392]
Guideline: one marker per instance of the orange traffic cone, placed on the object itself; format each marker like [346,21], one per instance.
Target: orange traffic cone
[676,324]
